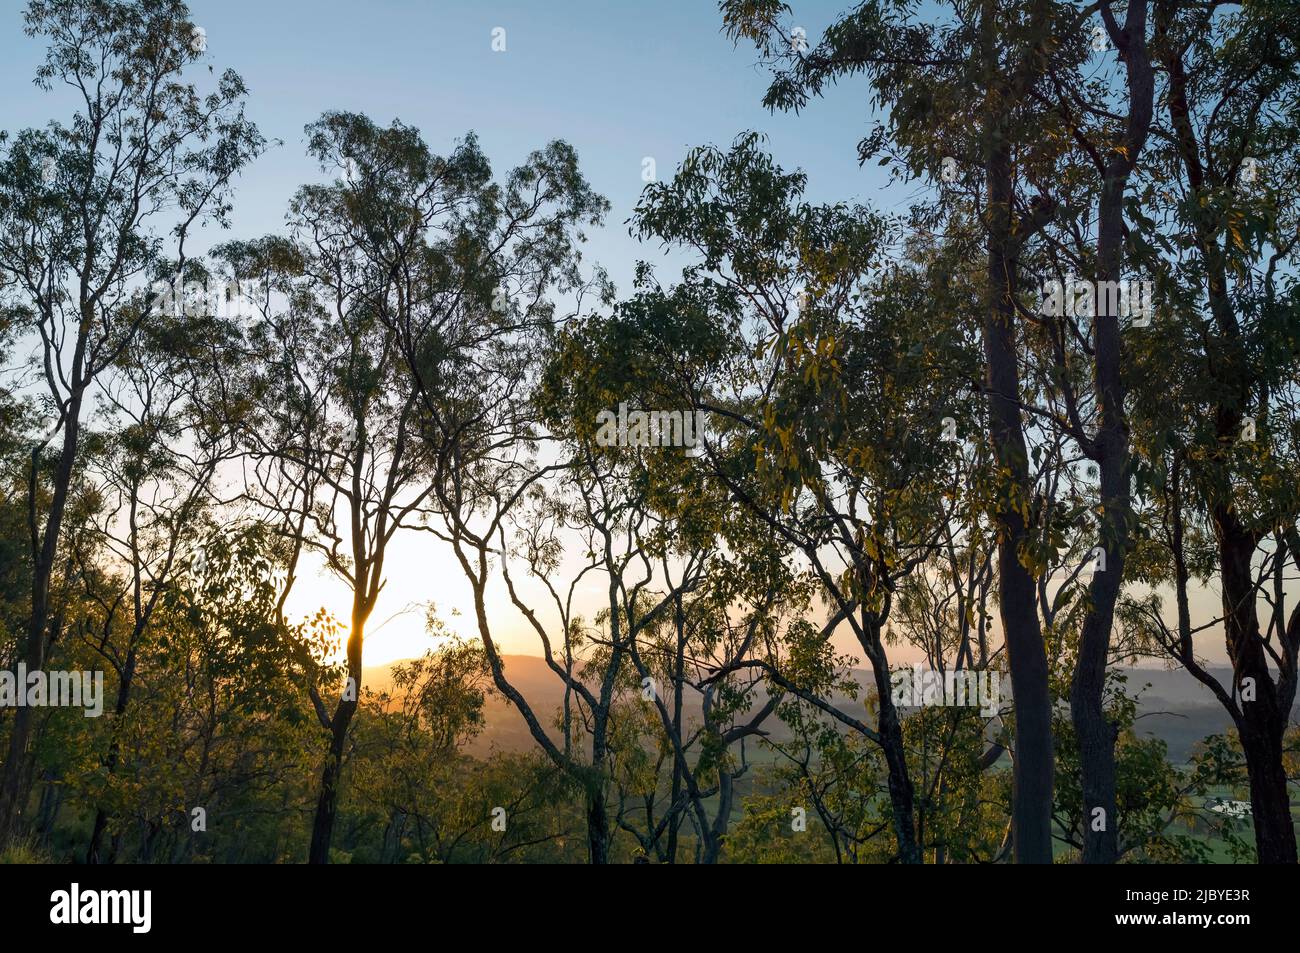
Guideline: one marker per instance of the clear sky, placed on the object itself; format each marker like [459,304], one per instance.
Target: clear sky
[619,80]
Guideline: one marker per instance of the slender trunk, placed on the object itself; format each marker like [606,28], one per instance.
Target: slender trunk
[902,796]
[322,828]
[113,758]
[717,832]
[15,777]
[597,824]
[1031,810]
[1032,771]
[51,798]
[1095,734]
[674,822]
[1263,720]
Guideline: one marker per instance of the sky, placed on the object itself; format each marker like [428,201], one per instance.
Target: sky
[620,81]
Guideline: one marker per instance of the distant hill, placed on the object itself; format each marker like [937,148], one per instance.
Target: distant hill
[1172,706]
[506,728]
[1175,707]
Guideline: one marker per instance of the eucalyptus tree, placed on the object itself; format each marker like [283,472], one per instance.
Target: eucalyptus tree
[1220,221]
[733,599]
[1111,130]
[88,210]
[338,419]
[957,85]
[679,349]
[338,423]
[172,410]
[473,269]
[654,539]
[703,595]
[746,608]
[399,352]
[832,397]
[645,573]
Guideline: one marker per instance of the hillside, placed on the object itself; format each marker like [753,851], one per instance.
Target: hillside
[1172,706]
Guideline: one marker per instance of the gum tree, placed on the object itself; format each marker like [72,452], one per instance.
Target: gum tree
[87,211]
[956,86]
[1222,438]
[831,404]
[451,274]
[731,599]
[173,409]
[337,414]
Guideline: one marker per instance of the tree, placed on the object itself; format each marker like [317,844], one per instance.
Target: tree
[835,387]
[77,204]
[1222,440]
[929,74]
[174,405]
[338,422]
[471,333]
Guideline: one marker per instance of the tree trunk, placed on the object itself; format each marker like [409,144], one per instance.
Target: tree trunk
[1095,734]
[1262,722]
[902,796]
[114,756]
[1031,810]
[675,791]
[597,824]
[15,777]
[322,827]
[1270,799]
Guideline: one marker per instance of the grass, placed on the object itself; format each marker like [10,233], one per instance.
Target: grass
[24,852]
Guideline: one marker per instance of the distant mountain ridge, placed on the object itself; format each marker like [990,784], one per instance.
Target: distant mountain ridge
[1172,705]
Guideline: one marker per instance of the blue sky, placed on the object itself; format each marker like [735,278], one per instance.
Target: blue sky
[620,81]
